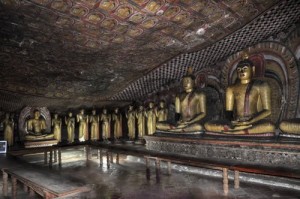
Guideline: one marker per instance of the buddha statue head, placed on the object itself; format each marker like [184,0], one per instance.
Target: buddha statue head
[93,112]
[55,115]
[36,114]
[188,81]
[82,111]
[245,69]
[151,105]
[162,104]
[141,108]
[104,111]
[116,110]
[70,114]
[130,107]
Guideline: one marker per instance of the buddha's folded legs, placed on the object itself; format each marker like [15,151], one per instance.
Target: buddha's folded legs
[290,126]
[263,126]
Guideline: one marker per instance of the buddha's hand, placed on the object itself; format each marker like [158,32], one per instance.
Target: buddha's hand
[238,123]
[182,124]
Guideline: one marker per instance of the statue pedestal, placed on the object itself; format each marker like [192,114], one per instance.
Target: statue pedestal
[284,152]
[40,143]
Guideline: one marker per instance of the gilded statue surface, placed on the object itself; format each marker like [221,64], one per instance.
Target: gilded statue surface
[291,126]
[162,112]
[70,123]
[117,121]
[190,105]
[130,115]
[105,118]
[36,128]
[140,115]
[150,113]
[94,120]
[8,127]
[249,100]
[56,125]
[82,118]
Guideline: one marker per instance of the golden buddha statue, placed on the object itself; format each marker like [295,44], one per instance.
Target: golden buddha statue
[291,126]
[36,128]
[8,128]
[105,118]
[94,120]
[56,125]
[130,115]
[150,113]
[190,105]
[117,120]
[83,126]
[249,100]
[140,115]
[162,112]
[70,122]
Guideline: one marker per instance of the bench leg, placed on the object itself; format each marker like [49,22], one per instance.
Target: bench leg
[87,150]
[157,169]
[101,157]
[236,179]
[98,154]
[169,168]
[107,159]
[45,157]
[5,182]
[225,181]
[59,157]
[118,158]
[55,155]
[147,168]
[50,159]
[14,187]
[111,157]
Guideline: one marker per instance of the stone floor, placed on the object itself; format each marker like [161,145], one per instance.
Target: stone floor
[127,180]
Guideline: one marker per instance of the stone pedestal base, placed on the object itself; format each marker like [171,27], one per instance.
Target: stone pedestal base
[284,153]
[41,143]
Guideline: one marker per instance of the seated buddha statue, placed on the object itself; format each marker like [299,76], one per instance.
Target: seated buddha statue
[190,105]
[249,100]
[36,128]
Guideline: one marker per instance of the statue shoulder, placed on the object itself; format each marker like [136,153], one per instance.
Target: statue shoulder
[261,84]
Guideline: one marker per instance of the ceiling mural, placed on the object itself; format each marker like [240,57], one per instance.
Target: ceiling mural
[103,50]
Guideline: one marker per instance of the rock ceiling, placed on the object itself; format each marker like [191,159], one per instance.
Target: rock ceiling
[97,51]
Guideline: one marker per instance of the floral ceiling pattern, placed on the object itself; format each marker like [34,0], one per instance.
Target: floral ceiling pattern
[97,50]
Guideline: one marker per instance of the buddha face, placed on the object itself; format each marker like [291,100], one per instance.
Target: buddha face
[70,114]
[244,72]
[151,105]
[82,111]
[55,116]
[94,112]
[162,104]
[104,111]
[7,116]
[141,108]
[130,108]
[116,110]
[188,83]
[37,114]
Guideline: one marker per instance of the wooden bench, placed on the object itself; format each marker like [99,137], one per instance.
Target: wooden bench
[196,162]
[46,184]
[218,166]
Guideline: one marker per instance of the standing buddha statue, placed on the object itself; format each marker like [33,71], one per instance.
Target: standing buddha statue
[56,124]
[70,122]
[151,118]
[94,120]
[117,121]
[83,126]
[130,115]
[105,118]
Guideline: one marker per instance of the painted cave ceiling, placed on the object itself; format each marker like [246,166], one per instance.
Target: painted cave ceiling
[102,52]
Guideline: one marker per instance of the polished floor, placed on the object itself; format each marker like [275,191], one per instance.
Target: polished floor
[127,180]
